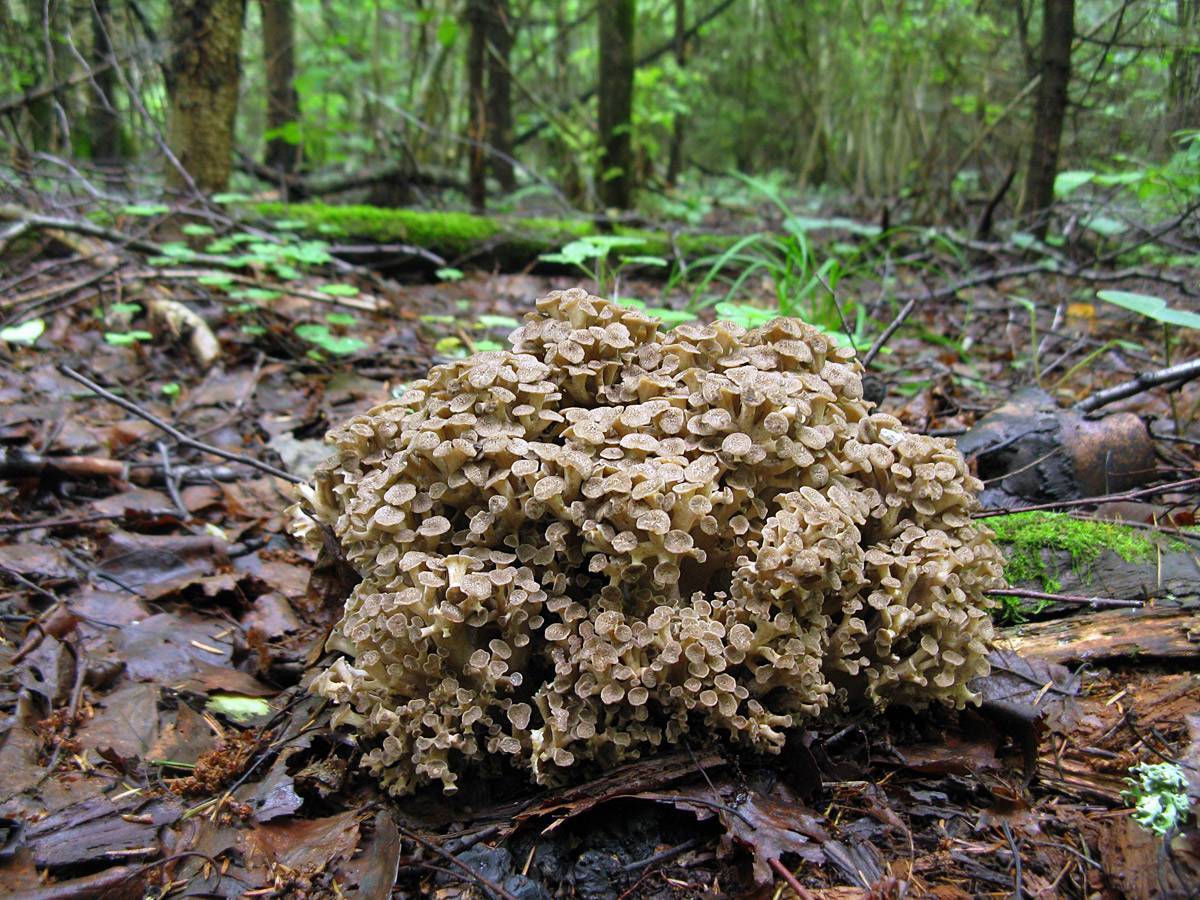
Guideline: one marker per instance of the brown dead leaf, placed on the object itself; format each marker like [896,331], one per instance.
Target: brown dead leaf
[308,845]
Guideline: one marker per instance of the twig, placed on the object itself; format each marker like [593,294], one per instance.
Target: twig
[174,432]
[169,477]
[1016,852]
[451,858]
[881,341]
[1093,602]
[801,891]
[1089,501]
[1172,375]
[663,855]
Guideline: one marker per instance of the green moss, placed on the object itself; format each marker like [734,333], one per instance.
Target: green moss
[456,234]
[1028,534]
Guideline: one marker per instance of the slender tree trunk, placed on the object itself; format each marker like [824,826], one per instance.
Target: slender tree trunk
[499,91]
[615,177]
[1058,31]
[477,127]
[283,106]
[202,84]
[1184,91]
[675,160]
[105,123]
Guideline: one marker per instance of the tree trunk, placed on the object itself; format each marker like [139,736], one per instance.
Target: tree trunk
[1184,90]
[283,106]
[105,123]
[202,84]
[1058,31]
[675,160]
[499,91]
[615,177]
[477,16]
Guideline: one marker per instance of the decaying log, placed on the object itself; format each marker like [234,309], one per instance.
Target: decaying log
[1163,632]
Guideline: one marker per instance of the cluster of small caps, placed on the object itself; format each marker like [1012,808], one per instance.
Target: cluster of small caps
[578,550]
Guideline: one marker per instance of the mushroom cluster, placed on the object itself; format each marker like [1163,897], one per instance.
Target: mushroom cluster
[579,550]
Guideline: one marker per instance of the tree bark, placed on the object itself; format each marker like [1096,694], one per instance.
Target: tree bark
[675,159]
[104,122]
[477,16]
[1184,90]
[499,91]
[1058,31]
[615,89]
[202,76]
[283,106]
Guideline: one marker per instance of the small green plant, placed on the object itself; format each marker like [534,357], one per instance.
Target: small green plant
[127,338]
[171,391]
[591,255]
[803,287]
[335,344]
[1158,793]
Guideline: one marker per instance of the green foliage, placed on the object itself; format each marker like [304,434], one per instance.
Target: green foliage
[802,287]
[591,255]
[127,338]
[325,340]
[1151,307]
[27,333]
[1158,792]
[1029,535]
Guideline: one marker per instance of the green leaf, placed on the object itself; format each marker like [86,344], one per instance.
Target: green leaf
[1151,307]
[1068,182]
[447,32]
[259,294]
[339,345]
[288,132]
[289,224]
[237,707]
[449,273]
[645,260]
[339,290]
[437,319]
[125,309]
[254,330]
[745,315]
[176,250]
[230,197]
[171,390]
[450,346]
[125,338]
[670,317]
[217,279]
[145,209]
[486,345]
[1105,227]
[195,229]
[340,318]
[487,320]
[26,333]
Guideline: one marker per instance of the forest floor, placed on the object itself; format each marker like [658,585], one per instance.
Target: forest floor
[159,622]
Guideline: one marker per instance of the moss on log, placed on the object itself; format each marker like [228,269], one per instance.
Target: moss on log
[460,237]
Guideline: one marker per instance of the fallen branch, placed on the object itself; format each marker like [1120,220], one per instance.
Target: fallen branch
[1076,599]
[174,432]
[1090,501]
[1175,376]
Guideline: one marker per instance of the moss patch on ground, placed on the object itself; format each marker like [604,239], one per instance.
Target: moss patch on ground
[459,234]
[1028,534]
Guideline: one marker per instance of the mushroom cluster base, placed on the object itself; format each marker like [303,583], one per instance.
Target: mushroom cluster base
[577,551]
